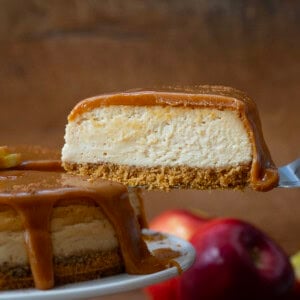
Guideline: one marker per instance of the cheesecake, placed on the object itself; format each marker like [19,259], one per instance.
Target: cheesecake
[58,228]
[203,137]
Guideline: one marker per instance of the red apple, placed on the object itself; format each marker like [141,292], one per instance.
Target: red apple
[166,290]
[179,222]
[235,260]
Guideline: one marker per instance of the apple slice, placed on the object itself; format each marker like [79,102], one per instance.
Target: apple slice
[295,261]
[7,159]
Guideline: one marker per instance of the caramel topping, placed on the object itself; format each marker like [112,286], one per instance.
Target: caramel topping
[36,221]
[264,175]
[33,194]
[166,255]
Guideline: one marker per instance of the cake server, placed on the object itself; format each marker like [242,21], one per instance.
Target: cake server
[289,175]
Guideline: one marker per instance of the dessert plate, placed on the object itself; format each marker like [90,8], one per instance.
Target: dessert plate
[117,283]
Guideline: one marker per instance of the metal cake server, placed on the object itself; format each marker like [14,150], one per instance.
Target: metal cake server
[289,175]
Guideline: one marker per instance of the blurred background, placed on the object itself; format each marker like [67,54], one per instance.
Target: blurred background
[55,53]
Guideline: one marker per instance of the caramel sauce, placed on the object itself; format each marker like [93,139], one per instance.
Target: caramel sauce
[264,175]
[36,221]
[157,236]
[142,216]
[167,255]
[33,194]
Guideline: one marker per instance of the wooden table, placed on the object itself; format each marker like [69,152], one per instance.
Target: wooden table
[54,53]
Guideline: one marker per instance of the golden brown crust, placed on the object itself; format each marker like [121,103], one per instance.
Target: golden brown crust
[165,178]
[66,269]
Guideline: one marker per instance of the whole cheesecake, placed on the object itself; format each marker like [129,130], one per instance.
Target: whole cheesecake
[57,228]
[203,137]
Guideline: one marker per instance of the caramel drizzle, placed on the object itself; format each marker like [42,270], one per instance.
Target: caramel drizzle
[263,176]
[137,258]
[36,209]
[36,221]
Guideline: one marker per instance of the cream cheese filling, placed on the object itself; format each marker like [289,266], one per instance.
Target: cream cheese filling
[97,235]
[158,136]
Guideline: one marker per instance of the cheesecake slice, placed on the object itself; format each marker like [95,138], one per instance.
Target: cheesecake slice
[57,228]
[204,137]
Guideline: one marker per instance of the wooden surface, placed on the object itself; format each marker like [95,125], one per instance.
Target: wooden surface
[54,53]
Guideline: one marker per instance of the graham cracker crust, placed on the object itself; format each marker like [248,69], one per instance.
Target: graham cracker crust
[70,269]
[165,178]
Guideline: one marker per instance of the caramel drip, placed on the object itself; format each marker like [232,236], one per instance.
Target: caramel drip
[142,216]
[33,194]
[36,221]
[137,259]
[264,175]
[166,255]
[174,263]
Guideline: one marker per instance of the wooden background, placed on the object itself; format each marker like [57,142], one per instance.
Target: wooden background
[54,53]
